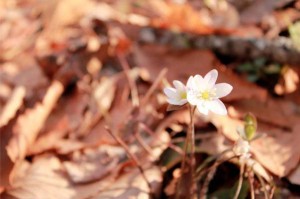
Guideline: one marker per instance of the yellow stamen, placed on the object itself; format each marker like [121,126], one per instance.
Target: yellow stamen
[205,95]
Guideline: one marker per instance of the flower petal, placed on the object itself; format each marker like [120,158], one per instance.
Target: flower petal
[199,83]
[222,89]
[211,78]
[217,107]
[171,92]
[190,83]
[192,98]
[179,85]
[202,108]
[176,102]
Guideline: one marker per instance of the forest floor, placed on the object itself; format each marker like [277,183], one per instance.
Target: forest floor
[83,114]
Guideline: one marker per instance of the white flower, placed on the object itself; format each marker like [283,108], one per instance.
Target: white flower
[177,95]
[205,94]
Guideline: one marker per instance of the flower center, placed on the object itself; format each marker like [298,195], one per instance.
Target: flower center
[183,95]
[205,95]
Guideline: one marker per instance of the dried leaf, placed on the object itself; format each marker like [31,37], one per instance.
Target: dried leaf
[6,164]
[93,164]
[180,17]
[12,106]
[41,179]
[132,185]
[288,83]
[279,151]
[294,177]
[25,132]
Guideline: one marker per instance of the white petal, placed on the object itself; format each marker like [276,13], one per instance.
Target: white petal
[170,92]
[222,89]
[179,86]
[217,107]
[211,78]
[199,83]
[190,83]
[182,102]
[192,98]
[176,102]
[202,108]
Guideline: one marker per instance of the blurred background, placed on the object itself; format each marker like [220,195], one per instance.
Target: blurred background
[82,107]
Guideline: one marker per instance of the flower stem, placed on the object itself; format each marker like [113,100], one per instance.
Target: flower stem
[192,134]
[186,185]
[238,190]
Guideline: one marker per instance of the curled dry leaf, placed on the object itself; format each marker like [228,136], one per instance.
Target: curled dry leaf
[133,185]
[12,106]
[30,123]
[40,179]
[93,164]
[65,118]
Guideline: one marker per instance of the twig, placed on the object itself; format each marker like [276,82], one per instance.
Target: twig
[151,133]
[210,174]
[142,143]
[238,189]
[153,86]
[133,158]
[132,84]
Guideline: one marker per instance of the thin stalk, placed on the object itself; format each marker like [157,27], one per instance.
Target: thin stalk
[187,174]
[251,179]
[263,184]
[134,159]
[192,132]
[238,190]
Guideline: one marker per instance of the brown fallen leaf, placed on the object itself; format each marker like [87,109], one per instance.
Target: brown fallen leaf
[116,92]
[277,151]
[12,106]
[179,17]
[29,124]
[183,63]
[288,83]
[294,177]
[132,185]
[93,163]
[277,112]
[41,179]
[6,164]
[259,9]
[65,118]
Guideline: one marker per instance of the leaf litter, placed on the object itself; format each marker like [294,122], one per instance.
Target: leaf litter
[71,69]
